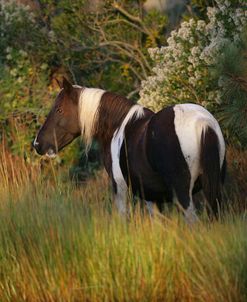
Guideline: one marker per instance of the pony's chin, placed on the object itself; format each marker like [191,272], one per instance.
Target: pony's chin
[51,154]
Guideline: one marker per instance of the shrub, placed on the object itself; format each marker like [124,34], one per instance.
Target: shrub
[104,46]
[23,75]
[185,69]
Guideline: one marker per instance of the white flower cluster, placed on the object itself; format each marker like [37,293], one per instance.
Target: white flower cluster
[182,68]
[13,12]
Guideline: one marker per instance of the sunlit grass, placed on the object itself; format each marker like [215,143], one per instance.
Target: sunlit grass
[62,243]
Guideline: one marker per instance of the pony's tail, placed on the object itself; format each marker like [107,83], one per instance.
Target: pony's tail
[211,174]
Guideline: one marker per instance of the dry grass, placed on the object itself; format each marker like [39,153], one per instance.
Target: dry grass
[61,243]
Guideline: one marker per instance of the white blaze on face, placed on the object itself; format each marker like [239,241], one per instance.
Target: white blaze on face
[35,142]
[116,145]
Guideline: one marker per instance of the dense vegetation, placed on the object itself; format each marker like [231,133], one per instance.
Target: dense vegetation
[204,62]
[62,240]
[103,46]
[61,243]
[107,46]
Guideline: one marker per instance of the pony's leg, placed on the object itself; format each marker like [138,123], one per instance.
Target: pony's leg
[120,197]
[166,201]
[183,190]
[190,213]
[150,207]
[187,204]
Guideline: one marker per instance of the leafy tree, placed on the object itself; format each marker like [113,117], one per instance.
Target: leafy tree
[106,46]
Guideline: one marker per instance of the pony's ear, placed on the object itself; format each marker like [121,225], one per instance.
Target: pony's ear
[67,86]
[59,83]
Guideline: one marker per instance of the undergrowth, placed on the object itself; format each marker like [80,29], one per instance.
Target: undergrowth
[59,242]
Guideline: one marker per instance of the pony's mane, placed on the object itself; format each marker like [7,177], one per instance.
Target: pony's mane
[88,107]
[102,113]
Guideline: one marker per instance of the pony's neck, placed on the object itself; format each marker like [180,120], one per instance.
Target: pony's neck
[114,112]
[102,113]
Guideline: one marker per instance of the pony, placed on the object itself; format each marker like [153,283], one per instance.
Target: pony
[163,156]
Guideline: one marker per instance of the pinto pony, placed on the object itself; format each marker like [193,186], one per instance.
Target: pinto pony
[172,153]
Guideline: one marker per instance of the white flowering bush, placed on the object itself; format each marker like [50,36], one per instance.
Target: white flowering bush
[184,69]
[14,18]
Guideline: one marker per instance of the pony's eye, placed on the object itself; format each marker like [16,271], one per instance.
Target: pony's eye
[59,110]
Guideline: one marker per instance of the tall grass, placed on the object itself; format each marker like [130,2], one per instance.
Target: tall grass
[62,243]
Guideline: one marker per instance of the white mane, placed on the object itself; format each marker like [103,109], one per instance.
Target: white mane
[88,108]
[89,102]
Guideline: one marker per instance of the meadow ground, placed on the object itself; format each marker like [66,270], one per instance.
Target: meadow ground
[59,242]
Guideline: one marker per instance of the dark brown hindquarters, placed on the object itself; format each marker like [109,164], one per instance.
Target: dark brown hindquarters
[166,157]
[211,175]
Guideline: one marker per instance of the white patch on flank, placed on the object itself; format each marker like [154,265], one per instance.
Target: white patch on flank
[190,121]
[88,108]
[116,143]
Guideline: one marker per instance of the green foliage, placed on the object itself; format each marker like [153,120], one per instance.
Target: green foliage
[104,46]
[23,77]
[199,7]
[110,39]
[232,73]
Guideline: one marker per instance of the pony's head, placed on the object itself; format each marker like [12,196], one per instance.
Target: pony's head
[62,123]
